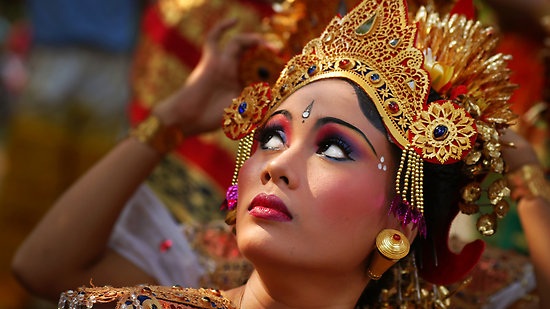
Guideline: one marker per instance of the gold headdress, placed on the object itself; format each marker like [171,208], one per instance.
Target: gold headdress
[397,63]
[373,46]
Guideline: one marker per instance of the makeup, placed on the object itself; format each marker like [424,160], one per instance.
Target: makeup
[381,165]
[269,207]
[307,111]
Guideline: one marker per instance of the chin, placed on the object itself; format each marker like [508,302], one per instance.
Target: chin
[259,246]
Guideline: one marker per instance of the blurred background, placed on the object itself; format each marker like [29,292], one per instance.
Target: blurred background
[64,91]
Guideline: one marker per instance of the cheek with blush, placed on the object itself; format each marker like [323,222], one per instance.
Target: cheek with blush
[355,197]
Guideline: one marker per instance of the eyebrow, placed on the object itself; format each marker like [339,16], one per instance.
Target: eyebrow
[283,112]
[322,121]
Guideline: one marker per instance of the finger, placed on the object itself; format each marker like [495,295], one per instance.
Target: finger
[215,34]
[242,41]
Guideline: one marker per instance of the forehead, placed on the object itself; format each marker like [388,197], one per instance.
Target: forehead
[335,98]
[332,97]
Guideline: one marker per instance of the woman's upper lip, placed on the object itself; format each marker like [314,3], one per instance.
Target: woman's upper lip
[270,201]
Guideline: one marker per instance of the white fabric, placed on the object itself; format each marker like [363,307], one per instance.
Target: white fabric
[139,232]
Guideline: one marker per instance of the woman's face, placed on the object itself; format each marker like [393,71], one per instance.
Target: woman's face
[317,189]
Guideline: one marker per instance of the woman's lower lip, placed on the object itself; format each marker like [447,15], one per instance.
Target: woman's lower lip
[268,214]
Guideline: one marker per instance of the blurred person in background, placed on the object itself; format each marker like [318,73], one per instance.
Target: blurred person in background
[71,110]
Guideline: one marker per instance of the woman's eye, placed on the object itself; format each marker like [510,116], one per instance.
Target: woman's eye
[336,149]
[271,138]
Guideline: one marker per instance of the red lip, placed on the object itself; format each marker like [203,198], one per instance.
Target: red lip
[269,207]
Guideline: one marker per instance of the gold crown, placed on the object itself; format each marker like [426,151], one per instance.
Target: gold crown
[397,62]
[373,45]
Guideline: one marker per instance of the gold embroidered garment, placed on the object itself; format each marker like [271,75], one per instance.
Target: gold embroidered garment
[145,297]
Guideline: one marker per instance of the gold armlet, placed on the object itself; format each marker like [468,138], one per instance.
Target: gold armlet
[159,137]
[531,178]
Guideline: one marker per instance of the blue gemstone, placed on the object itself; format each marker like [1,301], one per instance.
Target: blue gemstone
[440,132]
[375,77]
[394,42]
[242,107]
[311,69]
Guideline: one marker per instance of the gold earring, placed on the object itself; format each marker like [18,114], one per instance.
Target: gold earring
[391,245]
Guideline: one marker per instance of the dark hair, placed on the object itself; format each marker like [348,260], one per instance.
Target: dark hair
[368,108]
[371,113]
[441,196]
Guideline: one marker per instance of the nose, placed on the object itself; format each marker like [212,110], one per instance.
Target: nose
[281,170]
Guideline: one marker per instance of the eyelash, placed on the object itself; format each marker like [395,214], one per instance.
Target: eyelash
[339,142]
[264,135]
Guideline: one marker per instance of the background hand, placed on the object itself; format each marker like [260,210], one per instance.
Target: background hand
[522,154]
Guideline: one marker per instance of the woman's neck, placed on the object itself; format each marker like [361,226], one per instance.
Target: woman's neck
[274,289]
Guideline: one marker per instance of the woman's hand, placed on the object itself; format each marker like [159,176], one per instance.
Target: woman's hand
[530,189]
[519,156]
[198,106]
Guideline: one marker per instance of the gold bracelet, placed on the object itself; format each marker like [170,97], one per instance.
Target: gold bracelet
[531,178]
[153,133]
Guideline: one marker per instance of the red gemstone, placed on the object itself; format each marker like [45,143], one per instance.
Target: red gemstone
[344,64]
[396,237]
[394,107]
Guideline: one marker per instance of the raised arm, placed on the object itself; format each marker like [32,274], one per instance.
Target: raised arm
[532,192]
[68,247]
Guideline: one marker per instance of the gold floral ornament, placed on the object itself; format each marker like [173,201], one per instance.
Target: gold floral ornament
[443,133]
[247,111]
[477,79]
